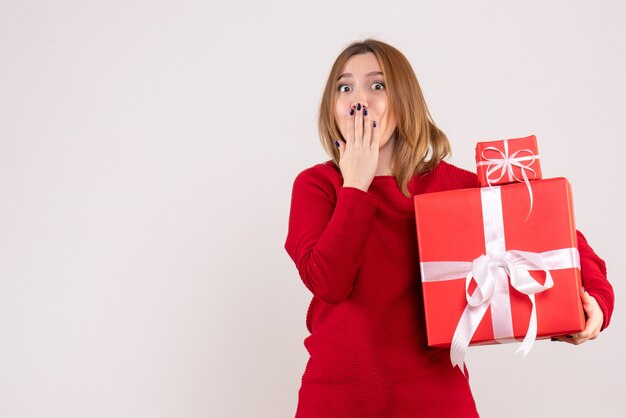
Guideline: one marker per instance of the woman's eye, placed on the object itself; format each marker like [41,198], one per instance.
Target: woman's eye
[378,86]
[344,88]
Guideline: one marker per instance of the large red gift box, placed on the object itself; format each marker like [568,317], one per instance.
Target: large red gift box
[507,161]
[459,229]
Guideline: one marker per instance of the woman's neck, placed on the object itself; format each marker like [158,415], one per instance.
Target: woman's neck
[385,159]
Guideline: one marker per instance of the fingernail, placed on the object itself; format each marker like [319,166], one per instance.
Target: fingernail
[351,112]
[374,124]
[358,106]
[364,112]
[337,144]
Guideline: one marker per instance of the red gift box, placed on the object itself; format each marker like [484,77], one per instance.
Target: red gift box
[508,161]
[477,246]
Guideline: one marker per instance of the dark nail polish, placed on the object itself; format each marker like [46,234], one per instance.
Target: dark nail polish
[351,112]
[337,144]
[374,124]
[358,106]
[364,112]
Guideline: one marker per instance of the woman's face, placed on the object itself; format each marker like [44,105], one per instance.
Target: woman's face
[362,81]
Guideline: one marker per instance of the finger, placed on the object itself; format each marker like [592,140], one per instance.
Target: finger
[575,339]
[589,301]
[367,128]
[595,316]
[570,339]
[592,328]
[589,333]
[341,146]
[349,125]
[367,140]
[582,336]
[584,297]
[375,135]
[358,124]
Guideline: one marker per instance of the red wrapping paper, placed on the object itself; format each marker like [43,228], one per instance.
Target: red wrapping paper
[493,155]
[450,228]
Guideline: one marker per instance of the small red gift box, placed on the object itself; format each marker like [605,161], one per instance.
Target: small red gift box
[507,161]
[490,273]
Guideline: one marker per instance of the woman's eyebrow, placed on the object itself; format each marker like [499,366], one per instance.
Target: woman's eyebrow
[372,74]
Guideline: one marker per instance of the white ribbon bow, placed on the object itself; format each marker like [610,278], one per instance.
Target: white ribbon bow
[505,165]
[487,271]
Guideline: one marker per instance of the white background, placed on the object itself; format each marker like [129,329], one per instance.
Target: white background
[147,154]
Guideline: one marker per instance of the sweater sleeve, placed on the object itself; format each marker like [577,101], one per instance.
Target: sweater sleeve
[594,278]
[327,235]
[457,178]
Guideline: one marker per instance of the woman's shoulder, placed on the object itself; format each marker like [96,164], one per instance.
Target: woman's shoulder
[325,168]
[453,177]
[324,175]
[446,167]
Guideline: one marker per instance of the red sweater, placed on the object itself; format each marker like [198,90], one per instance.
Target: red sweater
[357,253]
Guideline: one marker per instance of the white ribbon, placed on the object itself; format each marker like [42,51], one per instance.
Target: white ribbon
[505,165]
[491,271]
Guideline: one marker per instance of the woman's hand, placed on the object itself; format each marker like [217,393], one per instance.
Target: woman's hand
[358,156]
[595,319]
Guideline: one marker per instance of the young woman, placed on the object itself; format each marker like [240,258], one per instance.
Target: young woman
[352,238]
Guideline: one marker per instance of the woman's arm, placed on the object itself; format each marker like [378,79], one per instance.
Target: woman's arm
[326,237]
[597,296]
[594,278]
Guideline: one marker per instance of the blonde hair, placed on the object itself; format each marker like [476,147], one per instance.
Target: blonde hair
[420,145]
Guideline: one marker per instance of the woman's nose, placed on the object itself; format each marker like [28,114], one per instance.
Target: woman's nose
[362,102]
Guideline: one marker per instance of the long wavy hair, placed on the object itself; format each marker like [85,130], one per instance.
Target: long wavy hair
[419,144]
